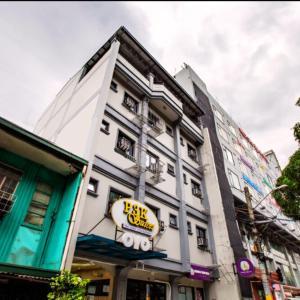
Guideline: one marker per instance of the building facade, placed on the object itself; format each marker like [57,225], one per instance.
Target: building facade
[142,135]
[246,165]
[39,188]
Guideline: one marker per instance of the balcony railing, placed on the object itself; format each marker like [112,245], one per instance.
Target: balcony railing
[7,201]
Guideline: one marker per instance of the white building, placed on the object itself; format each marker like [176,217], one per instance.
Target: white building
[246,165]
[142,134]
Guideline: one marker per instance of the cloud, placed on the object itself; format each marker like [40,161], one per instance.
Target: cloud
[246,53]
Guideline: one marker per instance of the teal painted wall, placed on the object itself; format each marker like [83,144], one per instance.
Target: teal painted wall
[28,245]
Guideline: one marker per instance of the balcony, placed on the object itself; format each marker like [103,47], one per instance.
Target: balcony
[202,243]
[155,125]
[153,173]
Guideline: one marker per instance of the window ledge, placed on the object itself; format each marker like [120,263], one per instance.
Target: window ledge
[125,155]
[173,226]
[93,194]
[104,131]
[172,174]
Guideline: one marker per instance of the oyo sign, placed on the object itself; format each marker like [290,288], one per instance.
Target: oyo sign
[245,267]
[135,219]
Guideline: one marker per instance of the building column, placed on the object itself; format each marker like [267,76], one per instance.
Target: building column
[297,266]
[120,283]
[142,152]
[182,218]
[174,287]
[291,266]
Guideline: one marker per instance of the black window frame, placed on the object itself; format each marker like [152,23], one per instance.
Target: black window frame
[181,141]
[203,236]
[169,130]
[171,170]
[90,192]
[111,201]
[106,129]
[153,119]
[114,86]
[136,103]
[189,227]
[189,148]
[156,165]
[121,151]
[99,284]
[172,216]
[185,179]
[196,186]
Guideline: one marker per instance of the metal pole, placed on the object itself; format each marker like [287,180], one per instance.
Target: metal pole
[257,244]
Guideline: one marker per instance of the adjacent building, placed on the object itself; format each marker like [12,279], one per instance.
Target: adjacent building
[143,136]
[245,165]
[39,191]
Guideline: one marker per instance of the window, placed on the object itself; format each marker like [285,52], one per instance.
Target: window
[155,210]
[105,127]
[9,179]
[169,130]
[38,207]
[219,115]
[153,120]
[98,288]
[130,103]
[173,221]
[114,195]
[196,190]
[234,180]
[171,170]
[114,86]
[228,155]
[189,227]
[223,133]
[201,238]
[93,187]
[231,128]
[192,152]
[238,148]
[184,179]
[125,146]
[152,163]
[181,141]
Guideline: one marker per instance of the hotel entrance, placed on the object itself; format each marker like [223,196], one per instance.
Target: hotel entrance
[143,290]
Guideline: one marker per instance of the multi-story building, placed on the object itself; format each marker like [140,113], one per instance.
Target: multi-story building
[39,191]
[142,134]
[246,165]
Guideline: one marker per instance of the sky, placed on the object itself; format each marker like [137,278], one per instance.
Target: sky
[247,53]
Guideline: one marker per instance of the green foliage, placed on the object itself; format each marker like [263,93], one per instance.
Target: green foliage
[297,132]
[289,198]
[67,286]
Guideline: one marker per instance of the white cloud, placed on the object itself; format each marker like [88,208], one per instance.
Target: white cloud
[246,52]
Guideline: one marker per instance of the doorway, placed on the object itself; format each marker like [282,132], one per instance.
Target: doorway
[143,290]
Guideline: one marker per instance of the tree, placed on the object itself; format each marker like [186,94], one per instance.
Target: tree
[289,198]
[67,286]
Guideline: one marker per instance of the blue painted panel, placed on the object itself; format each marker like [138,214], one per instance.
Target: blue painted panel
[250,182]
[24,248]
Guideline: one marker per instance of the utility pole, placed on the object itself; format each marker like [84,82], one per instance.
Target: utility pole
[257,245]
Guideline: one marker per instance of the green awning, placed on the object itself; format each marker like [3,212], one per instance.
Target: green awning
[106,247]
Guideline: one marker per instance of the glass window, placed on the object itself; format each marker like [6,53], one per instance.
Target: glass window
[93,185]
[171,169]
[181,141]
[184,178]
[232,130]
[228,155]
[219,115]
[105,126]
[114,86]
[153,119]
[223,133]
[152,162]
[234,180]
[189,227]
[196,189]
[173,220]
[39,204]
[191,152]
[115,195]
[169,130]
[155,210]
[125,144]
[9,179]
[130,103]
[201,237]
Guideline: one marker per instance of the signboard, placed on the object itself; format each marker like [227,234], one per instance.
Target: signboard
[137,221]
[200,273]
[245,267]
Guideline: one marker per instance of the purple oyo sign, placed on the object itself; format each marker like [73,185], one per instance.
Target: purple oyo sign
[245,267]
[200,273]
